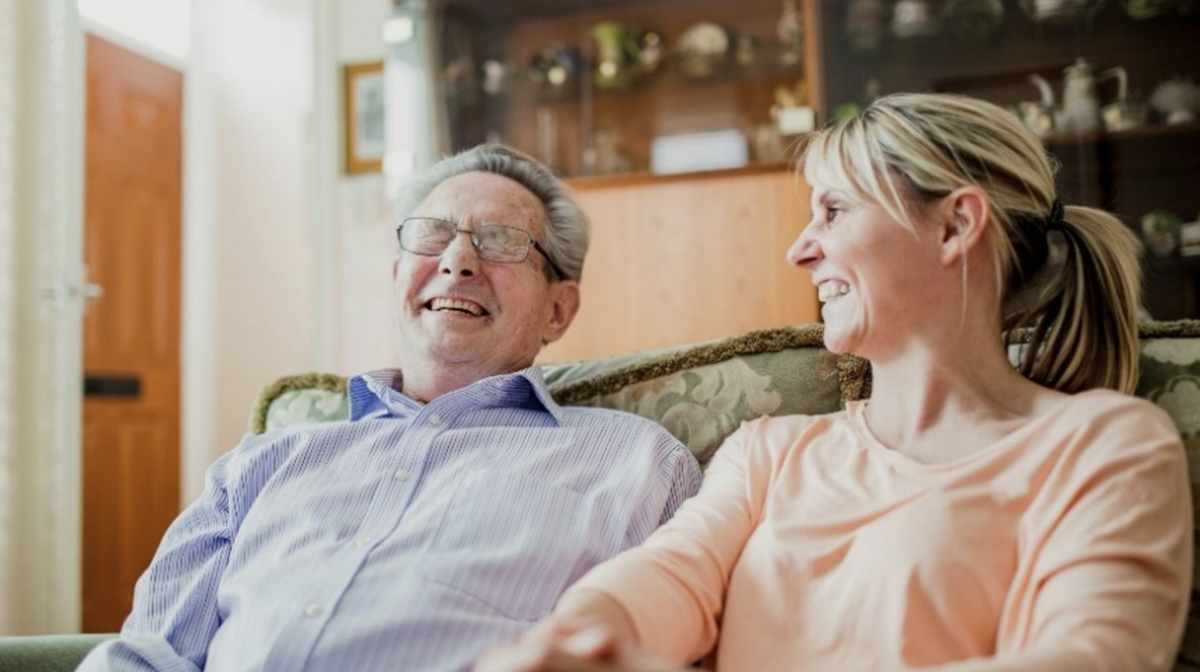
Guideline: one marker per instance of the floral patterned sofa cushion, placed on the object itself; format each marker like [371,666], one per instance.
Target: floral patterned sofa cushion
[702,392]
[300,400]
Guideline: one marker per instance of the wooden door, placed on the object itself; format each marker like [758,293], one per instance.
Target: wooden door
[131,332]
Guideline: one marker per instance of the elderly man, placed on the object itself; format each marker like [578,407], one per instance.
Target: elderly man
[457,502]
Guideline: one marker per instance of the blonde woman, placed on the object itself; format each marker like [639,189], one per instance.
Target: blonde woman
[969,516]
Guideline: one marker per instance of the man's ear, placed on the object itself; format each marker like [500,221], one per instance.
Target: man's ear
[966,214]
[564,297]
[395,267]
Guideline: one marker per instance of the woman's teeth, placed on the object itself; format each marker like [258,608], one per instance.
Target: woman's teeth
[830,291]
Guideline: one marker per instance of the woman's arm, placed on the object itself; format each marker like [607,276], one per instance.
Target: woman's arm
[588,632]
[671,590]
[661,601]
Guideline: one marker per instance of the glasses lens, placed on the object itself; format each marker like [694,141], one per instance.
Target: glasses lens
[502,243]
[426,236]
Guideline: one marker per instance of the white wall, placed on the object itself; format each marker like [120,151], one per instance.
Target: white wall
[365,229]
[287,261]
[248,243]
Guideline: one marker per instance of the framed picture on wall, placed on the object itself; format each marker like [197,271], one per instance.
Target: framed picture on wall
[363,112]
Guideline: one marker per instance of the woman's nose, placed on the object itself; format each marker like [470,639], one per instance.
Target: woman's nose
[806,251]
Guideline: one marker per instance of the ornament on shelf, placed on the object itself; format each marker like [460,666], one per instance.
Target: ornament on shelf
[790,33]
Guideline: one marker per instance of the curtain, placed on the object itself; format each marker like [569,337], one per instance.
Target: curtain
[41,201]
[8,141]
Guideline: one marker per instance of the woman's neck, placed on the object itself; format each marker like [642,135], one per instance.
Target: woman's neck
[925,402]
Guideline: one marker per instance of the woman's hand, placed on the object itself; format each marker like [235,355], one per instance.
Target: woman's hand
[560,645]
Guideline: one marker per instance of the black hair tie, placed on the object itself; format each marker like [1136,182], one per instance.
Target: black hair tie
[1054,221]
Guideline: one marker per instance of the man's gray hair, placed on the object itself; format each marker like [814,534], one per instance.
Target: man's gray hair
[566,228]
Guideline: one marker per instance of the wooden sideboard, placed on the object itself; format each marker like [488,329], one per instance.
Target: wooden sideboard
[685,258]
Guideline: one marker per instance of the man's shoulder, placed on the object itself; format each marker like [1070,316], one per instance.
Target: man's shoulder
[632,428]
[280,443]
[591,415]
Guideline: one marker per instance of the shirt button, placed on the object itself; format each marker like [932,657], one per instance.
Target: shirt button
[362,542]
[400,475]
[435,419]
[313,610]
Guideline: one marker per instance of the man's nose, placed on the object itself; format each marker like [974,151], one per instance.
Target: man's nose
[806,251]
[460,257]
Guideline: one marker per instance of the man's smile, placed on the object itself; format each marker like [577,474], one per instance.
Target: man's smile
[463,306]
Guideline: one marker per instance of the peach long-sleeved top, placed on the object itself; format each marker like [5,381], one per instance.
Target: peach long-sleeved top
[812,547]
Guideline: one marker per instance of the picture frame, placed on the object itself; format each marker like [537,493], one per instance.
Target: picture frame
[363,113]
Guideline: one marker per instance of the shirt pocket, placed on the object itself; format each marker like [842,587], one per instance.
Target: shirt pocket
[510,540]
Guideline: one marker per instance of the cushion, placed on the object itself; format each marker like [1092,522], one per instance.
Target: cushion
[46,653]
[299,400]
[700,393]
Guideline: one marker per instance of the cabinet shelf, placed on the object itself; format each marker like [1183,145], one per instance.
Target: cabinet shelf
[668,80]
[1142,132]
[529,10]
[637,178]
[1173,264]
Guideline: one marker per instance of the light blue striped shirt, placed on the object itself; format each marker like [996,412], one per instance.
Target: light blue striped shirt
[410,537]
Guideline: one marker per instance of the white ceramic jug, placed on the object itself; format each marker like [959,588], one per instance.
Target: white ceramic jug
[1081,106]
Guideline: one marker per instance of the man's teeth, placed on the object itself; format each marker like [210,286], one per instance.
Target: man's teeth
[829,291]
[455,304]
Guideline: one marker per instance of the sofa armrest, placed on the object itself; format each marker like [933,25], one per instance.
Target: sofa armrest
[46,653]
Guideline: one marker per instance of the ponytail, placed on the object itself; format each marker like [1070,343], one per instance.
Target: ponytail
[1082,323]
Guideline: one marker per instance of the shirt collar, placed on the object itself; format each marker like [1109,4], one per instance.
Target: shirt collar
[376,394]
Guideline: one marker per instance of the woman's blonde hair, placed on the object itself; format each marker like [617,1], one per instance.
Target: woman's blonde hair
[1078,297]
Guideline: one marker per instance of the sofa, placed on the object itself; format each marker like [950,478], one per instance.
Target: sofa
[701,393]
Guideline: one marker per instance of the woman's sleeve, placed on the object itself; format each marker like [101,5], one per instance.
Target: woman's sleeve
[673,586]
[1112,555]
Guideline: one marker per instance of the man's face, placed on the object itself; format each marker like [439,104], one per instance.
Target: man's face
[459,310]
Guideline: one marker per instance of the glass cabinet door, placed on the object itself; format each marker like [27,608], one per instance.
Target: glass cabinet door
[1111,86]
[610,87]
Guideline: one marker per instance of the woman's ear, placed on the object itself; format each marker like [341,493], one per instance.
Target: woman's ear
[966,214]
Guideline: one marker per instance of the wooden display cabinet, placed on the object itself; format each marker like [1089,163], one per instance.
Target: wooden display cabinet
[696,255]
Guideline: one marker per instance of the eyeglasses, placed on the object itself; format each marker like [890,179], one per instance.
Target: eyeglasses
[430,237]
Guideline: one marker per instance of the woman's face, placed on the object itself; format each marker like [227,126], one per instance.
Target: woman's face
[874,277]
